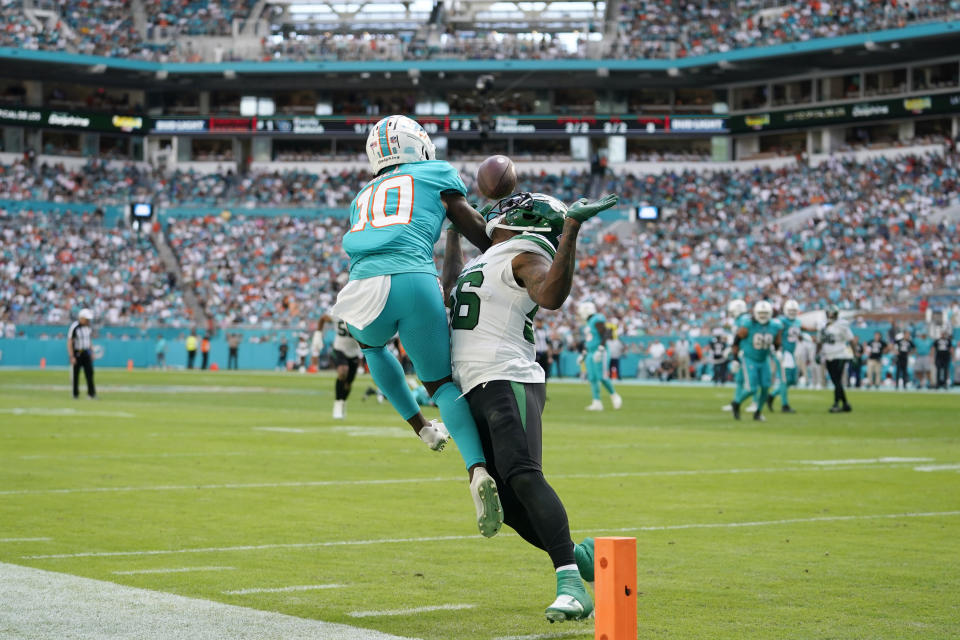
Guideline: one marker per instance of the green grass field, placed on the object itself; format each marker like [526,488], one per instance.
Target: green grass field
[808,526]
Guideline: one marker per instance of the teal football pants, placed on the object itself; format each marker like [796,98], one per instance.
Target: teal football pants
[415,311]
[597,374]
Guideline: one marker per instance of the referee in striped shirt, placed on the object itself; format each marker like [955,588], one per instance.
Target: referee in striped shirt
[80,350]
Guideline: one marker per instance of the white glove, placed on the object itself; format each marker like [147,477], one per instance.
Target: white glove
[580,358]
[598,354]
[734,366]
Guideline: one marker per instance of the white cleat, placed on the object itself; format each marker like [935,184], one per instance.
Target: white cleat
[339,409]
[726,407]
[483,488]
[616,400]
[752,408]
[435,435]
[596,405]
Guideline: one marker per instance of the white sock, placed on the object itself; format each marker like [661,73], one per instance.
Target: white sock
[567,567]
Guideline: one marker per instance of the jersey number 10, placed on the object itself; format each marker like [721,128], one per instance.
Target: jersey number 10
[372,203]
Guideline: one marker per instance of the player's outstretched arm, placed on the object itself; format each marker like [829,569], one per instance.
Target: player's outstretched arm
[452,262]
[548,283]
[467,220]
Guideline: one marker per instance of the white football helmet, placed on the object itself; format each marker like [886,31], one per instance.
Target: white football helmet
[396,140]
[762,312]
[791,309]
[736,308]
[586,309]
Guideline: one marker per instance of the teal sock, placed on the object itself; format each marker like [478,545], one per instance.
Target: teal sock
[608,386]
[388,376]
[595,389]
[455,412]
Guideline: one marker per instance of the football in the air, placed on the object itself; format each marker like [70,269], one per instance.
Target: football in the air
[497,177]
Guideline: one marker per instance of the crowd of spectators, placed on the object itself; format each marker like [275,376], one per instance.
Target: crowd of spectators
[643,29]
[54,263]
[867,244]
[269,272]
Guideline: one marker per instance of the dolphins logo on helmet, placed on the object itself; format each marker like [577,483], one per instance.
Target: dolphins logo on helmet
[397,140]
[762,311]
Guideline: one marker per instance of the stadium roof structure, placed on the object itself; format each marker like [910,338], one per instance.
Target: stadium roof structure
[891,47]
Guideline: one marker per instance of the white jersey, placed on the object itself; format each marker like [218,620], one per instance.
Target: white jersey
[343,341]
[835,337]
[492,317]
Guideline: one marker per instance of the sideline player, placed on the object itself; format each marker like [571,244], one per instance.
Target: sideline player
[736,309]
[597,358]
[345,354]
[755,336]
[493,304]
[835,347]
[786,363]
[395,220]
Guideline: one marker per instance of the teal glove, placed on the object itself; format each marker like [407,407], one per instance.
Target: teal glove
[582,210]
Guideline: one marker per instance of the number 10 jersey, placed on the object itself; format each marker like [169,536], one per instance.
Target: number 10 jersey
[397,217]
[491,317]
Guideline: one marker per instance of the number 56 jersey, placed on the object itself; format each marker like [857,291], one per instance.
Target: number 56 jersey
[491,317]
[397,217]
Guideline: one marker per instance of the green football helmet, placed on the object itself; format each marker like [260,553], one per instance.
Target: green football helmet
[530,213]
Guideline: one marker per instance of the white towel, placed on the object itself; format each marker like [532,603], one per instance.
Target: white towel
[361,301]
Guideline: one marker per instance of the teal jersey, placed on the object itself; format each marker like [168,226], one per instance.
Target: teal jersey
[397,218]
[757,344]
[791,333]
[590,337]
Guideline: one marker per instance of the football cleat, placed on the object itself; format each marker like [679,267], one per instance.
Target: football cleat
[787,409]
[759,417]
[752,407]
[835,409]
[339,409]
[596,405]
[735,408]
[583,554]
[487,501]
[573,602]
[435,435]
[616,400]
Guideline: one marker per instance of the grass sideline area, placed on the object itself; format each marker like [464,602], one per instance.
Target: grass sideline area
[240,489]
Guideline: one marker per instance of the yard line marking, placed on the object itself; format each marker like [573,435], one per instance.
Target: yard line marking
[547,636]
[404,612]
[281,429]
[765,523]
[35,602]
[208,454]
[25,539]
[45,411]
[302,587]
[863,461]
[937,467]
[178,570]
[387,481]
[348,543]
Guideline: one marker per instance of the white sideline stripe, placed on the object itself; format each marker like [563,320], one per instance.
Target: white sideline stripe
[863,461]
[404,612]
[178,570]
[45,411]
[348,543]
[208,454]
[385,481]
[546,636]
[301,587]
[281,429]
[25,539]
[43,605]
[937,467]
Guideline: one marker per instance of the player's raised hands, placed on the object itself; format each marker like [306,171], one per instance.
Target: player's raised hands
[582,210]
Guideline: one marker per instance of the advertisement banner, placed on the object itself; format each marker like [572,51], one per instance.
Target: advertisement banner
[945,103]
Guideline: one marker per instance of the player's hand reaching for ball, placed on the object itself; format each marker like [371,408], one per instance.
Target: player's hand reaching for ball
[582,210]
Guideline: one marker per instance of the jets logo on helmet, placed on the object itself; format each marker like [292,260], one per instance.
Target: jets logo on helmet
[762,312]
[535,213]
[833,313]
[397,140]
[791,309]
